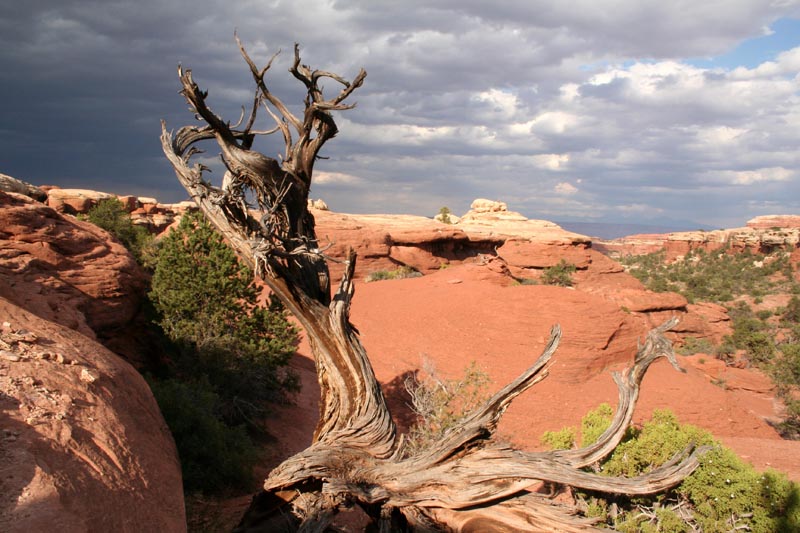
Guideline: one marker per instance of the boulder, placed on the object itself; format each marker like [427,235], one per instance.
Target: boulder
[74,201]
[318,204]
[9,184]
[83,445]
[482,205]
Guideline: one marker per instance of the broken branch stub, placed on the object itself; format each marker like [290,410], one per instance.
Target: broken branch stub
[465,481]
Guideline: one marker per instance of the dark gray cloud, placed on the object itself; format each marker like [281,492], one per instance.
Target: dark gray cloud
[586,110]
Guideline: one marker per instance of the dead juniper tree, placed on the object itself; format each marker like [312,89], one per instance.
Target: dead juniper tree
[465,481]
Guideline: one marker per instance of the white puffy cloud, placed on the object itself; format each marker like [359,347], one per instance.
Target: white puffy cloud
[322,177]
[748,177]
[566,188]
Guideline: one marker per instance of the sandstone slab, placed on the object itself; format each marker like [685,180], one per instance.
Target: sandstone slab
[83,445]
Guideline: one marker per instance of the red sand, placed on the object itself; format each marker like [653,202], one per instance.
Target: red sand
[468,313]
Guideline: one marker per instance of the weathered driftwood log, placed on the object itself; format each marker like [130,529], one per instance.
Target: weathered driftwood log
[466,481]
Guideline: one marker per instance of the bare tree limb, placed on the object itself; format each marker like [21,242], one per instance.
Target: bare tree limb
[465,481]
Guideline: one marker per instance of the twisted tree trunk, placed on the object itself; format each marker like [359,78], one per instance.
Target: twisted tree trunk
[466,481]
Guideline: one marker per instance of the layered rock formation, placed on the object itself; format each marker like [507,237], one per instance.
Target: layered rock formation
[762,235]
[65,270]
[519,250]
[426,245]
[83,445]
[145,211]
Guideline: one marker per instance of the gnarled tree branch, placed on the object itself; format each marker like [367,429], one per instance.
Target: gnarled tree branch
[465,481]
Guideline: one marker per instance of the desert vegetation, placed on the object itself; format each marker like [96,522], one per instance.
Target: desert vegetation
[112,216]
[720,276]
[441,404]
[226,351]
[559,274]
[768,338]
[401,272]
[723,494]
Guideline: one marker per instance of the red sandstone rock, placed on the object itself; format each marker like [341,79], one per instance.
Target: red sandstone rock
[526,254]
[74,201]
[150,208]
[774,221]
[83,446]
[705,321]
[66,270]
[130,203]
[389,241]
[762,235]
[385,242]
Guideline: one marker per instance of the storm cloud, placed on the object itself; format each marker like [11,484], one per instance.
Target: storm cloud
[607,111]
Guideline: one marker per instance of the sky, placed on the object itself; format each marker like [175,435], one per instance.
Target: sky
[634,111]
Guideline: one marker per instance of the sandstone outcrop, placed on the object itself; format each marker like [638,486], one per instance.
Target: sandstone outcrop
[145,211]
[386,242]
[9,184]
[83,445]
[65,270]
[482,205]
[157,217]
[761,235]
[391,241]
[74,201]
[523,248]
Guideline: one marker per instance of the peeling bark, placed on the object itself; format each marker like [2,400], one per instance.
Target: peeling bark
[466,481]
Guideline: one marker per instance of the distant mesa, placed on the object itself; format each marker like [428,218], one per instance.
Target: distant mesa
[774,222]
[764,234]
